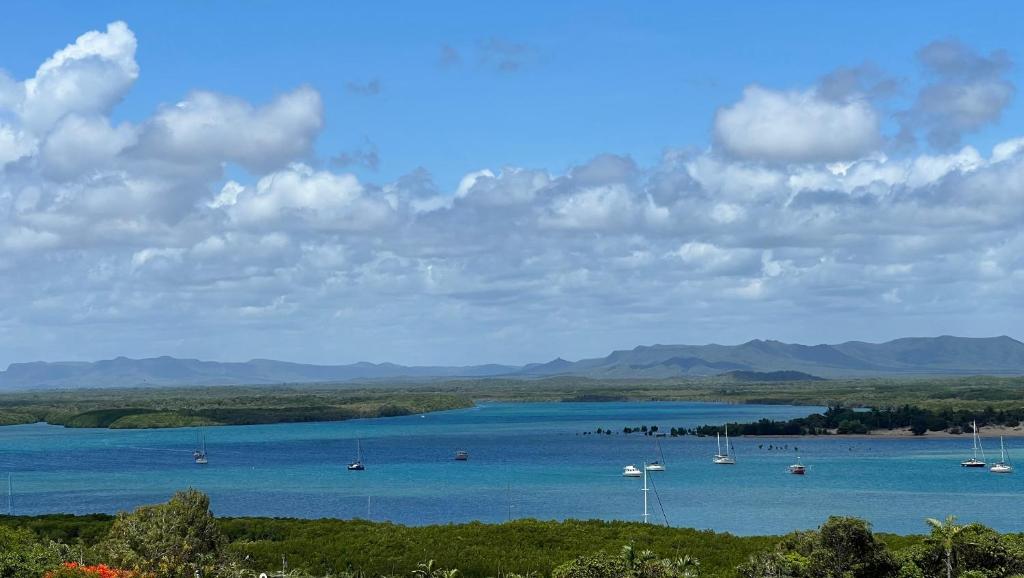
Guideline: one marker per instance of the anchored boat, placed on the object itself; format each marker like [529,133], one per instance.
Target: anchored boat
[723,458]
[199,454]
[974,462]
[1003,465]
[358,464]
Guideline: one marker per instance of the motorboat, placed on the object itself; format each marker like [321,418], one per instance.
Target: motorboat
[631,471]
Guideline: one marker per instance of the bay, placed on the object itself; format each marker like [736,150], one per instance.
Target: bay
[526,460]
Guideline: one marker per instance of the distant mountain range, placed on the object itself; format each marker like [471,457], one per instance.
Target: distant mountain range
[753,360]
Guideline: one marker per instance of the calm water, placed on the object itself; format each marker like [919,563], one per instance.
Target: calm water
[526,461]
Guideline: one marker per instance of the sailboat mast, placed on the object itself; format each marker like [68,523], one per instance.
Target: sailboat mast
[10,493]
[645,492]
[974,437]
[718,441]
[726,439]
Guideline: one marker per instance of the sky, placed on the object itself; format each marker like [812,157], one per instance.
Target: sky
[473,182]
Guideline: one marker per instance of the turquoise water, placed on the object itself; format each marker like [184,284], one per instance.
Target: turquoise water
[527,460]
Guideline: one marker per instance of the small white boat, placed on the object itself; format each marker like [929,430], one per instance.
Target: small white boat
[631,471]
[656,465]
[357,466]
[1003,465]
[199,454]
[723,458]
[974,462]
[798,468]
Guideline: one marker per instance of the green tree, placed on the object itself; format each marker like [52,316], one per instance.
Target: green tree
[846,548]
[599,565]
[171,540]
[21,555]
[948,535]
[840,548]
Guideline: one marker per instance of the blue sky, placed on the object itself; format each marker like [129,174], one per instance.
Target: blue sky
[622,77]
[473,182]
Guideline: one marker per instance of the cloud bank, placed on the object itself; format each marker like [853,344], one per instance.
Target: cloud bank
[131,237]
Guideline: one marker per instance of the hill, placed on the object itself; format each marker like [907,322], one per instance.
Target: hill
[945,355]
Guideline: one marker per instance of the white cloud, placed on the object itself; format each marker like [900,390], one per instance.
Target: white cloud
[80,144]
[319,198]
[210,127]
[87,77]
[796,127]
[14,144]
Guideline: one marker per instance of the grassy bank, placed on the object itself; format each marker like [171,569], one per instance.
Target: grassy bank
[976,392]
[237,405]
[215,406]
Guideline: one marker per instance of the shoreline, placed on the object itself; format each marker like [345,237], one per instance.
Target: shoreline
[985,432]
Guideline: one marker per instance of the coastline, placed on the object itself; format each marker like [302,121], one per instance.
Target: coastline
[983,432]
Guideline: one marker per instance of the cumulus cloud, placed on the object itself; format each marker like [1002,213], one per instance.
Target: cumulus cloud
[80,144]
[796,127]
[319,198]
[89,76]
[208,126]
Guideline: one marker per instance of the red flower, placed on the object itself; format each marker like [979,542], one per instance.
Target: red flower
[76,570]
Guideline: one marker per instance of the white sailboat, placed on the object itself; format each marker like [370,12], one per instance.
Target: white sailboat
[199,455]
[1003,465]
[358,464]
[723,458]
[657,466]
[974,462]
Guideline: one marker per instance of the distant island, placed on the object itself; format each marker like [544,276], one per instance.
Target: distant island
[755,360]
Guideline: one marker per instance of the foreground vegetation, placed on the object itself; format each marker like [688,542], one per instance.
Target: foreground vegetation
[214,406]
[176,539]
